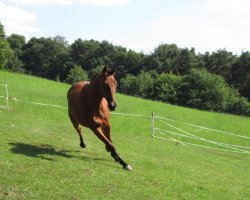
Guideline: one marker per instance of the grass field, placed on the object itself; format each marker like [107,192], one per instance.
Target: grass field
[40,157]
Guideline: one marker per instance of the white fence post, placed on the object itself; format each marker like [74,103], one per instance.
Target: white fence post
[153,125]
[7,96]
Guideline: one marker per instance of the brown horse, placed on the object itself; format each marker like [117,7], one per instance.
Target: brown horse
[89,104]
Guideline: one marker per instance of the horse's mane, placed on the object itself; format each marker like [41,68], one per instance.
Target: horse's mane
[93,78]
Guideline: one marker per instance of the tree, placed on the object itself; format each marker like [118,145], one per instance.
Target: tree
[46,57]
[132,62]
[185,61]
[61,40]
[166,55]
[5,50]
[16,43]
[241,74]
[220,63]
[85,53]
[76,74]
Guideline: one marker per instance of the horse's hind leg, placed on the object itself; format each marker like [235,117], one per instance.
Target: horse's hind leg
[79,131]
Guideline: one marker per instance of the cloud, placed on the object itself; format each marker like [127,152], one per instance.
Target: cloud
[218,24]
[17,20]
[39,2]
[228,5]
[66,2]
[101,2]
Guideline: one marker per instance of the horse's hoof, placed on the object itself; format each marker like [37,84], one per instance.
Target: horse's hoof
[83,145]
[127,167]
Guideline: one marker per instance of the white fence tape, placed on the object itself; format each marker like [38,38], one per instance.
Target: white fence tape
[198,145]
[128,114]
[37,103]
[217,143]
[187,136]
[202,127]
[200,138]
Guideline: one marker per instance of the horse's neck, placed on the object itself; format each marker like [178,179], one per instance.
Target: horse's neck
[95,97]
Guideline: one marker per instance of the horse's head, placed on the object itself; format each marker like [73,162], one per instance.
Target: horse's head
[109,87]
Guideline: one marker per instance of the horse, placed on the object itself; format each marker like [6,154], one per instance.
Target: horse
[89,105]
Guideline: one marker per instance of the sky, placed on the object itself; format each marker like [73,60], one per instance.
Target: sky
[140,25]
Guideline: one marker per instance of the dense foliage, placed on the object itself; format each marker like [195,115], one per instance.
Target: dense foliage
[5,50]
[76,74]
[212,81]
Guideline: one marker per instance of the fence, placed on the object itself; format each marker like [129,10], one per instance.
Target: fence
[159,133]
[165,134]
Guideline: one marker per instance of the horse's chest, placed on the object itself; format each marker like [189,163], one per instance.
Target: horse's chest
[101,120]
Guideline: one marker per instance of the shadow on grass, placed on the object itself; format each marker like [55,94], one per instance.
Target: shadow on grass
[38,151]
[43,150]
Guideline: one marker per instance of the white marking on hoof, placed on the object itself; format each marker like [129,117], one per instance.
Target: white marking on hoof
[128,167]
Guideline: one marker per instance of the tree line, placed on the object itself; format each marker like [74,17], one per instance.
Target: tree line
[217,81]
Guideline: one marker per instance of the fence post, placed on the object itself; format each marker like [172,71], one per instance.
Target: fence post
[153,125]
[7,96]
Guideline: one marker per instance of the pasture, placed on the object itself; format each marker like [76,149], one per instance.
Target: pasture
[41,157]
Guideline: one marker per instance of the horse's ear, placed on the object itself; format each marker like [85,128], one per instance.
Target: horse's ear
[107,71]
[112,71]
[104,71]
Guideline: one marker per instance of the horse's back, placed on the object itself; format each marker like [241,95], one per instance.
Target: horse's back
[76,100]
[76,89]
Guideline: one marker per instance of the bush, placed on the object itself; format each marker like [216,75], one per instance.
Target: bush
[201,89]
[141,85]
[236,104]
[198,89]
[146,85]
[130,85]
[167,86]
[76,74]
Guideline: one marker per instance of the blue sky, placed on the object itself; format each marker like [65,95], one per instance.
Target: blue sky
[141,25]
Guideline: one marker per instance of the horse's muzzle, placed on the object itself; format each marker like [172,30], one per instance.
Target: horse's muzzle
[112,106]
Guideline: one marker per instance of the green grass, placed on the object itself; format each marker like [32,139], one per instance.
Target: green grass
[40,157]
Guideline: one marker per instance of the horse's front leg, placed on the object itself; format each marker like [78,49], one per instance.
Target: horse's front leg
[106,131]
[99,133]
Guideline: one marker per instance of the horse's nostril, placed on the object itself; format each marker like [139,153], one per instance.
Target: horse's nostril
[112,106]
